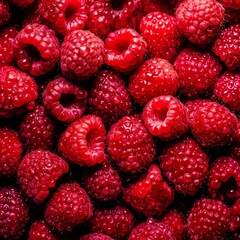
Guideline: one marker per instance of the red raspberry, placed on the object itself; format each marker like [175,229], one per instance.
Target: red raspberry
[18,91]
[95,236]
[174,220]
[68,207]
[236,139]
[36,49]
[235,216]
[153,230]
[154,78]
[14,213]
[7,36]
[81,55]
[38,172]
[155,5]
[130,145]
[232,16]
[104,184]
[83,141]
[124,49]
[236,153]
[199,21]
[165,117]
[213,125]
[64,100]
[227,47]
[198,70]
[5,12]
[162,35]
[208,219]
[227,89]
[10,152]
[109,98]
[233,4]
[115,222]
[185,165]
[21,3]
[40,231]
[224,179]
[64,16]
[150,195]
[37,130]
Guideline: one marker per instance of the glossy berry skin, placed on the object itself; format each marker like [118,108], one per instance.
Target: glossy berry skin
[227,47]
[235,216]
[65,100]
[199,21]
[5,12]
[208,219]
[109,98]
[232,4]
[198,70]
[165,117]
[154,78]
[130,145]
[124,49]
[104,184]
[68,207]
[150,195]
[83,141]
[18,92]
[37,130]
[227,89]
[40,231]
[36,49]
[224,179]
[185,165]
[64,16]
[95,236]
[14,213]
[213,125]
[115,222]
[81,55]
[10,152]
[161,34]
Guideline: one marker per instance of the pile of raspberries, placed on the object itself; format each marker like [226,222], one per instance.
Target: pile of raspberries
[120,119]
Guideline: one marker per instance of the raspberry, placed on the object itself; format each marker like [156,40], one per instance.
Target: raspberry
[198,70]
[5,12]
[124,49]
[104,184]
[165,117]
[40,231]
[155,5]
[162,35]
[68,207]
[236,139]
[199,21]
[150,195]
[21,3]
[232,16]
[64,100]
[233,4]
[235,216]
[213,125]
[7,36]
[227,89]
[115,222]
[81,55]
[236,153]
[14,213]
[37,130]
[10,152]
[83,141]
[64,16]
[109,98]
[130,145]
[224,179]
[95,236]
[185,165]
[18,91]
[36,49]
[153,230]
[227,47]
[154,78]
[208,219]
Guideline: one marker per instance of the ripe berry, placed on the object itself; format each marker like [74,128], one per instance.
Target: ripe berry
[235,216]
[68,207]
[65,100]
[95,236]
[233,4]
[21,3]
[5,12]
[154,78]
[83,141]
[165,117]
[149,6]
[130,145]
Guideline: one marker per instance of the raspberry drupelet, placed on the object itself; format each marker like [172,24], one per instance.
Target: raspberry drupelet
[149,6]
[124,50]
[83,142]
[65,100]
[95,236]
[5,12]
[235,216]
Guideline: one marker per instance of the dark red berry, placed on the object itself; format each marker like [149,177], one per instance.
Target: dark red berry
[5,12]
[235,216]
[95,236]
